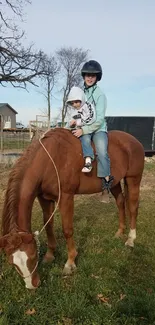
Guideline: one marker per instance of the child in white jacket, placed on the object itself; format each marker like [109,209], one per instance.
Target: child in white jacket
[86,115]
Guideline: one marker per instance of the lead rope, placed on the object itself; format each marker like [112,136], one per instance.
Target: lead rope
[37,233]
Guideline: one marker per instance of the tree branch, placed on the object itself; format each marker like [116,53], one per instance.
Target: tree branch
[18,65]
[71,61]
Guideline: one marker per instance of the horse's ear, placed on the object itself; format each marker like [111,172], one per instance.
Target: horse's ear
[27,238]
[6,244]
[3,242]
[13,242]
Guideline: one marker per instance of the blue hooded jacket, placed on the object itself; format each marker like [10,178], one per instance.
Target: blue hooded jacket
[95,96]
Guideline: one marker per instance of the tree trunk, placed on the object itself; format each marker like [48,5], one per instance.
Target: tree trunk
[48,103]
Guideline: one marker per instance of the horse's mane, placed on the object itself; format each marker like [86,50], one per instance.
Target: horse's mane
[61,135]
[10,208]
[9,212]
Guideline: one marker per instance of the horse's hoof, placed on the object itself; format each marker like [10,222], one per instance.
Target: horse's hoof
[48,258]
[69,269]
[119,233]
[129,242]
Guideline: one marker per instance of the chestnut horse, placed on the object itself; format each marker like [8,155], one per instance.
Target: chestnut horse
[34,175]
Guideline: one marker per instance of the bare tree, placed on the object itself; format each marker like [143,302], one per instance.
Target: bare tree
[71,61]
[48,80]
[18,65]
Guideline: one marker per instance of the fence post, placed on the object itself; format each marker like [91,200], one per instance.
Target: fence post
[1,116]
[1,140]
[153,136]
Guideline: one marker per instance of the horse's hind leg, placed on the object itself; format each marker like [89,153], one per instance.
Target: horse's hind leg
[48,208]
[120,201]
[66,207]
[133,184]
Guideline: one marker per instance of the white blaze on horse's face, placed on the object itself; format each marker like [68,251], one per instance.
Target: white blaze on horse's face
[20,259]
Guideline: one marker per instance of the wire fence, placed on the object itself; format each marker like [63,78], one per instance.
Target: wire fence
[14,140]
[12,144]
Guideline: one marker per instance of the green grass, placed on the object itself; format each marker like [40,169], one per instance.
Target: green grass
[104,266]
[150,166]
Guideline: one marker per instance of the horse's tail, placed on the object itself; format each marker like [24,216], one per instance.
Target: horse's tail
[126,195]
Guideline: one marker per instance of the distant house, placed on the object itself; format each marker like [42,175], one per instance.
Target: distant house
[7,116]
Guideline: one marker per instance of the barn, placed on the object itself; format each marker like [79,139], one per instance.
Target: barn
[142,127]
[7,116]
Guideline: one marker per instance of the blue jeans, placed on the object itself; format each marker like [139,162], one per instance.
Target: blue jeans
[100,140]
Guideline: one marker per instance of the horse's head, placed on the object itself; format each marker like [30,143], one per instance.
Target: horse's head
[21,250]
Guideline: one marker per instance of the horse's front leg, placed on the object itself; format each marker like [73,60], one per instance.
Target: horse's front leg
[66,207]
[48,208]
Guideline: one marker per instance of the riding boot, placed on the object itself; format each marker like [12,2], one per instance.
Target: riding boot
[106,186]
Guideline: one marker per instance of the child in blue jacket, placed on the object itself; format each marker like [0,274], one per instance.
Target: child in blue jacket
[97,131]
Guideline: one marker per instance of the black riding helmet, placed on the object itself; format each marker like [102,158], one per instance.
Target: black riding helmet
[93,67]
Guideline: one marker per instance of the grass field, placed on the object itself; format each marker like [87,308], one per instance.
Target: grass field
[113,285]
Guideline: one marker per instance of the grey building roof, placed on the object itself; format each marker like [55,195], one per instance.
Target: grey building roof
[6,104]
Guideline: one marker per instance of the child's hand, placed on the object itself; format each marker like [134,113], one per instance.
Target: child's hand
[77,133]
[72,122]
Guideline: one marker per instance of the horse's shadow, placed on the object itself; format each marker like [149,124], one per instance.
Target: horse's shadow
[140,256]
[87,217]
[137,280]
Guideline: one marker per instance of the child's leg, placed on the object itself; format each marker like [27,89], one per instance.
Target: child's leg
[100,140]
[88,153]
[86,146]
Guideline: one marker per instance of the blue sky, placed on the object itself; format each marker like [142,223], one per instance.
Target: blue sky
[119,34]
